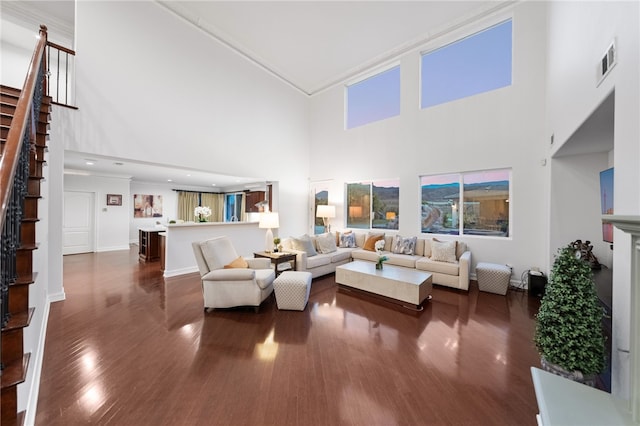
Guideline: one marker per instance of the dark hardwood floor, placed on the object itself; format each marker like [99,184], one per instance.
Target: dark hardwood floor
[128,347]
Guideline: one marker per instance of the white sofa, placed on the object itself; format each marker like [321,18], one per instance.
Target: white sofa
[454,273]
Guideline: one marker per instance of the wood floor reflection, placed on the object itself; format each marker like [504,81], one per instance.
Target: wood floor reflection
[128,347]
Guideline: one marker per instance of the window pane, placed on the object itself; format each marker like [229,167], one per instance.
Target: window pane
[486,203]
[440,201]
[373,99]
[322,199]
[386,201]
[476,64]
[358,205]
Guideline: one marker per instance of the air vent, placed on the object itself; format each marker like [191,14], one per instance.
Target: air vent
[608,61]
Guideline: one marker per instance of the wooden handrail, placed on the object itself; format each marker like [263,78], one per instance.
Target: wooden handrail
[11,154]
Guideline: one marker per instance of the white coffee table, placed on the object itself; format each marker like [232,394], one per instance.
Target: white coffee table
[404,286]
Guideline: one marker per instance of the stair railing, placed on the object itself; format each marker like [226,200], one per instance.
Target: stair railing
[61,74]
[14,167]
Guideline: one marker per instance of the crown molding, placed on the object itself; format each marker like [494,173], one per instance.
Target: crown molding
[27,16]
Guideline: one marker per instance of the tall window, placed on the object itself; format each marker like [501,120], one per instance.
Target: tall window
[474,203]
[373,205]
[321,199]
[476,64]
[373,99]
[233,207]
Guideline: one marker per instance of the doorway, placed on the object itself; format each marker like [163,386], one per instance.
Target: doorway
[78,222]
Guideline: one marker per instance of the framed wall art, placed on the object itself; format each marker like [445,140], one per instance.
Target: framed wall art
[114,199]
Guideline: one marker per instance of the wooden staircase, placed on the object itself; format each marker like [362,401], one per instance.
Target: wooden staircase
[14,361]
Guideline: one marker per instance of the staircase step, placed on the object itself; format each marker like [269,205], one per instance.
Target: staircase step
[19,292]
[13,374]
[19,320]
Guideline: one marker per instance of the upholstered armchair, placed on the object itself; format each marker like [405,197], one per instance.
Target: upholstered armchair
[229,280]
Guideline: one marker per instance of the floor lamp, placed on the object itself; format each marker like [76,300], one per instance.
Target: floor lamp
[269,220]
[326,212]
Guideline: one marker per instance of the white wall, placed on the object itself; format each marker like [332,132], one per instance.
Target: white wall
[575,203]
[111,222]
[169,207]
[160,90]
[579,34]
[500,129]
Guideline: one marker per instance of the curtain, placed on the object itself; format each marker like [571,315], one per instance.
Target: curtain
[243,208]
[216,203]
[187,202]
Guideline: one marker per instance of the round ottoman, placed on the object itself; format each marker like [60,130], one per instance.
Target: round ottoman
[292,290]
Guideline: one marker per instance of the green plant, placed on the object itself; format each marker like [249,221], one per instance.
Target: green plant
[569,322]
[276,241]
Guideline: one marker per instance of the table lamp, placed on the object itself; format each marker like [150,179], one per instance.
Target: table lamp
[269,220]
[326,212]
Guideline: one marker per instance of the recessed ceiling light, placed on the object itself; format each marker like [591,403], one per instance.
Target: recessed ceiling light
[169,180]
[188,175]
[119,164]
[213,184]
[90,163]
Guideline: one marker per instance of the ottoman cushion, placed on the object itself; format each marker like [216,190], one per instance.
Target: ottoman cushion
[493,278]
[292,290]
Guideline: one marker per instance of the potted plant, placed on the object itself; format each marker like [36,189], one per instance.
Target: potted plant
[276,247]
[568,331]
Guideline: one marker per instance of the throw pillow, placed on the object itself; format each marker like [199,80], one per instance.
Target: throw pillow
[443,251]
[404,245]
[326,243]
[348,240]
[370,242]
[305,244]
[240,262]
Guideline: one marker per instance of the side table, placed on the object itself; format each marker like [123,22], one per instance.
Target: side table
[278,258]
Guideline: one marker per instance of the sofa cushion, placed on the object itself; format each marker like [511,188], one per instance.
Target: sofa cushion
[239,262]
[361,254]
[340,255]
[326,243]
[406,260]
[370,242]
[319,260]
[305,244]
[403,245]
[426,264]
[443,251]
[348,240]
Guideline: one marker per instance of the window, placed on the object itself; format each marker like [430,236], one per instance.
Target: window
[373,99]
[439,211]
[373,205]
[476,64]
[484,209]
[321,199]
[233,207]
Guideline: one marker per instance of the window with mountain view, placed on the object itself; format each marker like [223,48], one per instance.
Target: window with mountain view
[373,205]
[475,203]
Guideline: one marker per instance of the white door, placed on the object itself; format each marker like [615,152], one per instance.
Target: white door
[78,222]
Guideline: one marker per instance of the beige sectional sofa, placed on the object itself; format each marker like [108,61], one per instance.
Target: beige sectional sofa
[451,273]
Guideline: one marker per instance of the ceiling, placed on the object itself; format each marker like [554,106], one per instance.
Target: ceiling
[310,45]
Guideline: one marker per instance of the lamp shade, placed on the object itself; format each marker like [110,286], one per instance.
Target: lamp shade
[269,220]
[326,211]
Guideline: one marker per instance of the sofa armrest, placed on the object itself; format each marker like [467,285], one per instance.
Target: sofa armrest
[301,259]
[465,269]
[231,274]
[258,262]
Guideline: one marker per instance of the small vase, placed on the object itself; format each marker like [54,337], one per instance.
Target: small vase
[379,265]
[275,249]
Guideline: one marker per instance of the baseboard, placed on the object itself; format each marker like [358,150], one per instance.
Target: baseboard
[57,297]
[34,390]
[115,248]
[183,271]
